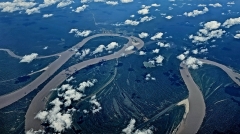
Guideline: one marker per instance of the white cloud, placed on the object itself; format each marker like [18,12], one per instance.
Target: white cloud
[168,17]
[212,25]
[157,36]
[70,79]
[112,45]
[203,50]
[85,1]
[81,8]
[143,11]
[131,126]
[16,5]
[129,48]
[142,53]
[230,22]
[32,11]
[78,33]
[163,45]
[193,63]
[29,58]
[99,0]
[215,5]
[64,3]
[126,1]
[196,12]
[195,51]
[84,53]
[99,49]
[131,22]
[209,32]
[132,16]
[57,120]
[181,57]
[97,106]
[47,15]
[231,3]
[45,48]
[237,36]
[112,3]
[201,5]
[143,35]
[159,59]
[84,85]
[155,5]
[146,18]
[155,50]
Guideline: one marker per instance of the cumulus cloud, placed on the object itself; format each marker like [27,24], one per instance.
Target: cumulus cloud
[149,77]
[181,57]
[142,53]
[155,50]
[196,12]
[59,119]
[146,18]
[155,5]
[215,5]
[157,36]
[195,51]
[79,33]
[130,48]
[237,36]
[163,45]
[96,105]
[204,35]
[230,22]
[208,32]
[212,25]
[126,1]
[131,22]
[81,8]
[29,58]
[112,45]
[130,129]
[159,59]
[203,50]
[47,15]
[168,17]
[201,5]
[32,11]
[16,5]
[99,49]
[85,84]
[193,63]
[231,3]
[64,3]
[70,79]
[112,3]
[143,11]
[84,53]
[143,35]
[131,126]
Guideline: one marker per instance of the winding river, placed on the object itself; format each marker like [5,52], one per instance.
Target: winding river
[197,108]
[189,125]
